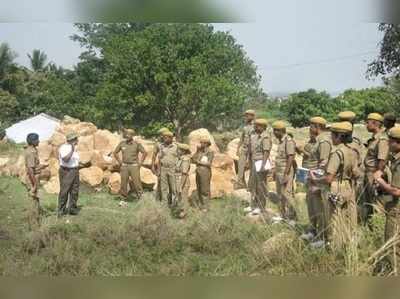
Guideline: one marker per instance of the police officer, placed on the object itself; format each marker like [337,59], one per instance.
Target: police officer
[315,158]
[242,150]
[389,121]
[203,159]
[260,145]
[168,157]
[182,177]
[375,159]
[130,164]
[340,209]
[33,172]
[155,164]
[392,207]
[285,168]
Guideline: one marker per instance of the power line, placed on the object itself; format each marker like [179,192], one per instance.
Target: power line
[294,65]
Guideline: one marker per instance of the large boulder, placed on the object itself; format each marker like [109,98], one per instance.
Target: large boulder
[53,185]
[85,156]
[114,183]
[54,166]
[93,176]
[222,161]
[68,120]
[101,160]
[81,128]
[221,182]
[57,139]
[194,140]
[232,149]
[45,150]
[105,141]
[147,177]
[85,144]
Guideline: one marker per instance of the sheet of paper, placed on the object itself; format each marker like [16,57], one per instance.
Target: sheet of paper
[258,165]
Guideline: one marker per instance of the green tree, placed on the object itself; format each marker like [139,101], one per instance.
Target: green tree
[7,57]
[38,60]
[8,108]
[186,75]
[388,61]
[301,106]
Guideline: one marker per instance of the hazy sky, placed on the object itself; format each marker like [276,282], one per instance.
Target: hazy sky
[296,45]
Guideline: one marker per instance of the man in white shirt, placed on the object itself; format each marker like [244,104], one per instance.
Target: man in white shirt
[69,176]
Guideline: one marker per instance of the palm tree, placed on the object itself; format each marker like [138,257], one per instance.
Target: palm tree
[7,57]
[38,60]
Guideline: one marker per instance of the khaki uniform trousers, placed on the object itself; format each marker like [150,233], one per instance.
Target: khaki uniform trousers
[258,188]
[130,171]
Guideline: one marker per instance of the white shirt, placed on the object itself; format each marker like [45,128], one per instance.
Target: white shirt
[64,151]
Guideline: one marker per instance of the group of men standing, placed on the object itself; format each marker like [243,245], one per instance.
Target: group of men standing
[346,178]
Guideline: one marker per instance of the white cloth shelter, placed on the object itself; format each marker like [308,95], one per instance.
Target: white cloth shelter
[41,124]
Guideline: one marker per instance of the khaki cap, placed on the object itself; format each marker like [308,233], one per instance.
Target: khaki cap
[261,122]
[251,112]
[279,125]
[130,132]
[390,117]
[168,133]
[184,147]
[71,136]
[342,127]
[394,133]
[347,115]
[318,120]
[375,116]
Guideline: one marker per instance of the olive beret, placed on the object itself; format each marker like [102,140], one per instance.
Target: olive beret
[71,136]
[261,122]
[168,133]
[251,112]
[342,127]
[347,115]
[318,120]
[394,133]
[279,125]
[375,116]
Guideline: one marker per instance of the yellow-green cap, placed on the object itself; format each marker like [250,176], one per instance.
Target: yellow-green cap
[162,130]
[394,133]
[261,122]
[375,116]
[250,112]
[184,147]
[71,136]
[318,120]
[279,125]
[342,127]
[390,117]
[347,115]
[168,133]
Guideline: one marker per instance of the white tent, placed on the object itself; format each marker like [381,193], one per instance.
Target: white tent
[42,124]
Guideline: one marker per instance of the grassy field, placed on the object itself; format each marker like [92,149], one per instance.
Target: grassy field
[143,239]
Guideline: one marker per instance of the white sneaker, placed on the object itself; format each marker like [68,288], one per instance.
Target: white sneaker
[256,211]
[276,219]
[317,244]
[247,209]
[307,237]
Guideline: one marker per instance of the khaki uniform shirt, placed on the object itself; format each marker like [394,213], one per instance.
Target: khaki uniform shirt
[395,170]
[316,152]
[343,163]
[247,131]
[286,147]
[168,155]
[32,161]
[130,151]
[377,149]
[259,144]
